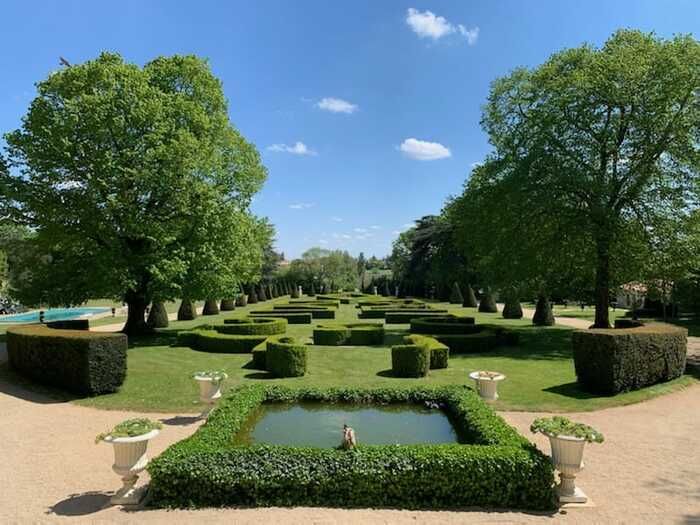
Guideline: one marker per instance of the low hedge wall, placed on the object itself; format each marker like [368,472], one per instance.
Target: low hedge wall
[317,312]
[315,302]
[487,338]
[439,352]
[610,361]
[410,360]
[499,469]
[259,357]
[285,357]
[70,324]
[290,317]
[449,324]
[82,362]
[208,339]
[253,326]
[401,317]
[354,334]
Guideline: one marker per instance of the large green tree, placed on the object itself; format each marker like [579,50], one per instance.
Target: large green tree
[130,176]
[608,136]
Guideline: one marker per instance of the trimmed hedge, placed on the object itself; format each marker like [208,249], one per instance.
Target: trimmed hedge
[242,300]
[187,311]
[456,294]
[544,316]
[70,324]
[253,326]
[488,303]
[317,312]
[353,334]
[82,362]
[210,340]
[290,317]
[486,339]
[610,361]
[410,360]
[512,309]
[401,317]
[158,315]
[259,354]
[285,357]
[500,469]
[448,324]
[439,352]
[469,298]
[211,307]
[227,305]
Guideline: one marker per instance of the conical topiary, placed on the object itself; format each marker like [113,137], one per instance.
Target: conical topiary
[252,295]
[512,309]
[386,292]
[242,299]
[271,291]
[488,303]
[187,311]
[227,305]
[543,312]
[469,298]
[295,291]
[262,296]
[158,316]
[456,294]
[312,290]
[211,307]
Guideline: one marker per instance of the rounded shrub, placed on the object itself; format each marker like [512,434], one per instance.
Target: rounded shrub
[410,360]
[543,312]
[512,309]
[456,294]
[285,357]
[211,307]
[488,303]
[187,311]
[253,326]
[158,315]
[443,325]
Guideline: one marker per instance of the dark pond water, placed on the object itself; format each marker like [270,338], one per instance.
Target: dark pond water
[321,424]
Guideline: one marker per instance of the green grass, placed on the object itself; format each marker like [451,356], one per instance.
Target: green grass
[572,310]
[540,371]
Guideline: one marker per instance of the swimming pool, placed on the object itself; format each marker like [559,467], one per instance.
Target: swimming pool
[52,314]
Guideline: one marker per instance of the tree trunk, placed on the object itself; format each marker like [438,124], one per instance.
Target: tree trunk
[602,285]
[136,317]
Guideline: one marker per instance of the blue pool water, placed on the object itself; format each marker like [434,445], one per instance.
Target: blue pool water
[52,314]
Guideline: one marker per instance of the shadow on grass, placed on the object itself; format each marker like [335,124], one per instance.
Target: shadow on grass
[259,375]
[387,373]
[572,390]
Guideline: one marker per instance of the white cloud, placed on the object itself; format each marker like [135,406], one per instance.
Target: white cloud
[336,105]
[322,241]
[346,236]
[299,148]
[396,232]
[375,227]
[407,226]
[301,205]
[360,230]
[427,24]
[423,150]
[337,219]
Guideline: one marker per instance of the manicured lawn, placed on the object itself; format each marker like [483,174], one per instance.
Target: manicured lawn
[572,310]
[540,371]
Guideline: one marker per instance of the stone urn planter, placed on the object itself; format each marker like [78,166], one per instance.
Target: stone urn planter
[567,441]
[130,457]
[209,388]
[487,383]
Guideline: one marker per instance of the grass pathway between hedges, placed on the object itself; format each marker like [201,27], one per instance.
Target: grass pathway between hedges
[540,371]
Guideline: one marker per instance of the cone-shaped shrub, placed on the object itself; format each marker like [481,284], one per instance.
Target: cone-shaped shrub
[271,291]
[187,311]
[469,298]
[512,309]
[543,312]
[242,300]
[211,307]
[227,305]
[158,316]
[312,291]
[252,295]
[386,292]
[295,292]
[456,295]
[262,296]
[488,303]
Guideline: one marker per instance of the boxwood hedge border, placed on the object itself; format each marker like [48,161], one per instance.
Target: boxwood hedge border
[500,469]
[351,334]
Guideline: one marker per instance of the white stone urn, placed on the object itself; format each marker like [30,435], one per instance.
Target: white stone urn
[567,458]
[209,390]
[129,461]
[487,383]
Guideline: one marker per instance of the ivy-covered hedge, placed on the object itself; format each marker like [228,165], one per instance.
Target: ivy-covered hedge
[285,357]
[499,469]
[439,352]
[291,317]
[253,326]
[449,324]
[355,334]
[208,339]
[82,362]
[609,361]
[410,360]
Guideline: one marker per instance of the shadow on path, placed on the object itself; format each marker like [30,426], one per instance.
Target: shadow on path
[81,504]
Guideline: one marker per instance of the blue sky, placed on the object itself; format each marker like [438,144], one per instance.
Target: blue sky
[366,113]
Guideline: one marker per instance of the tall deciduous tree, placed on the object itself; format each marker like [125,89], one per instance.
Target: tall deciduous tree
[608,136]
[130,176]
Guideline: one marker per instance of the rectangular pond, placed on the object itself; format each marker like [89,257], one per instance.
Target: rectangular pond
[311,424]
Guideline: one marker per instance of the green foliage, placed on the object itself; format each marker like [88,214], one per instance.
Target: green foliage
[262,295]
[157,180]
[187,310]
[215,375]
[158,315]
[512,309]
[285,357]
[544,316]
[410,360]
[439,353]
[501,469]
[470,298]
[353,334]
[443,325]
[456,294]
[561,426]
[406,316]
[227,305]
[79,361]
[292,317]
[259,357]
[488,303]
[210,340]
[131,428]
[253,326]
[609,361]
[486,339]
[211,307]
